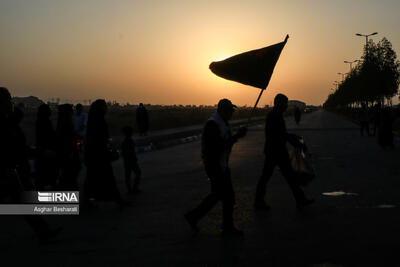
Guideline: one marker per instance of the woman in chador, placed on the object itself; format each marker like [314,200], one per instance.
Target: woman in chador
[100,182]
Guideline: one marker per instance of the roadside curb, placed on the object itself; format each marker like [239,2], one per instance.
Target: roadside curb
[180,136]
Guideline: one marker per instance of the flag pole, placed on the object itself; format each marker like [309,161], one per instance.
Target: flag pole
[254,108]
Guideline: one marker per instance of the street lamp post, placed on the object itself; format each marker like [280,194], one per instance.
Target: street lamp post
[339,73]
[351,63]
[366,36]
[366,39]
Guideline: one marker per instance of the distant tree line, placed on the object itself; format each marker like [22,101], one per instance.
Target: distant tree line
[165,117]
[375,79]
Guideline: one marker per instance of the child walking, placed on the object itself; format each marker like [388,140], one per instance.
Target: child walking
[130,161]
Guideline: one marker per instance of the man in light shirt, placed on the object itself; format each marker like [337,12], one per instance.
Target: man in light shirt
[80,122]
[217,142]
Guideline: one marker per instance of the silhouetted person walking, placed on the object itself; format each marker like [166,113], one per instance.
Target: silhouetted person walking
[217,142]
[100,182]
[67,150]
[364,119]
[142,119]
[128,148]
[385,133]
[276,154]
[14,167]
[23,151]
[80,124]
[376,118]
[46,163]
[297,115]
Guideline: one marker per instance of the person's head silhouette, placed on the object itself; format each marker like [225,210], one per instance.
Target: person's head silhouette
[280,102]
[78,108]
[98,109]
[225,109]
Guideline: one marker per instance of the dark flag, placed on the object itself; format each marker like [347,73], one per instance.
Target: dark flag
[253,68]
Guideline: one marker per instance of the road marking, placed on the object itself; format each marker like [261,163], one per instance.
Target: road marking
[338,194]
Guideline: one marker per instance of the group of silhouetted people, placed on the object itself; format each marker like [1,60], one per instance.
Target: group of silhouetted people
[57,158]
[381,119]
[57,161]
[15,170]
[56,154]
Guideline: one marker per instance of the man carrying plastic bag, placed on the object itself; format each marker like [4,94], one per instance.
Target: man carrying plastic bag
[276,154]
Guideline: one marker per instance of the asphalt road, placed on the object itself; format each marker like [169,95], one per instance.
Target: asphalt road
[357,229]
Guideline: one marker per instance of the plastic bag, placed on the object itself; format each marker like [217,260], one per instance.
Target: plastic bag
[301,165]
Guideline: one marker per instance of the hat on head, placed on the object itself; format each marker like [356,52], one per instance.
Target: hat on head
[226,104]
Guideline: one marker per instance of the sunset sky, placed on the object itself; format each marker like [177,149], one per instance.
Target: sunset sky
[158,52]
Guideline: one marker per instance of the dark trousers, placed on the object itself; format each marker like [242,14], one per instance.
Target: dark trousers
[282,160]
[221,190]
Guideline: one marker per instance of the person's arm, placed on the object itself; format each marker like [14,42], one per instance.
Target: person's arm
[293,140]
[242,131]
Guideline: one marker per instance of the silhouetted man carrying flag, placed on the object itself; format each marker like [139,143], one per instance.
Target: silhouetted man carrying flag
[276,154]
[216,144]
[253,68]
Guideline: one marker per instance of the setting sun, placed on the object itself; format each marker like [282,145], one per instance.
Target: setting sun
[222,57]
